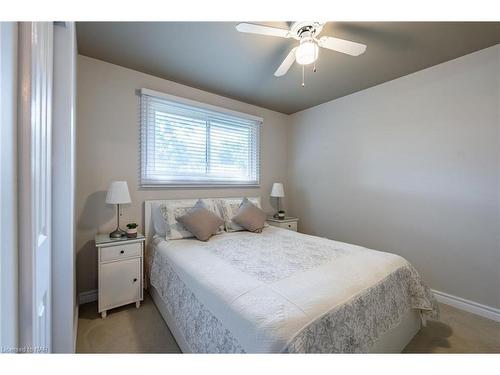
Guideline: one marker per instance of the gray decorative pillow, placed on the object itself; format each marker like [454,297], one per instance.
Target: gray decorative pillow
[201,222]
[229,208]
[171,210]
[250,217]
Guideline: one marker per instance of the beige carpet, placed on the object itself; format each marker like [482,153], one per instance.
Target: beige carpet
[457,332]
[125,330]
[131,330]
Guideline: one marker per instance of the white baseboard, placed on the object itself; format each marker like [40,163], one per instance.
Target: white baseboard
[88,296]
[467,305]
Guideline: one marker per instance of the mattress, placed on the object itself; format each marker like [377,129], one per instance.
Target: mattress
[282,291]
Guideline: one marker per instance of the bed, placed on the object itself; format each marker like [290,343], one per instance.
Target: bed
[283,292]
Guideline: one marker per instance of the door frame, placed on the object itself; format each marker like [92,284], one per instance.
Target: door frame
[8,188]
[35,54]
[64,303]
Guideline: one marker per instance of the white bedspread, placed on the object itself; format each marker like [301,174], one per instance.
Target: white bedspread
[282,291]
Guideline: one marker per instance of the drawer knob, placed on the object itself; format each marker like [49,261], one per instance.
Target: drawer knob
[135,280]
[122,252]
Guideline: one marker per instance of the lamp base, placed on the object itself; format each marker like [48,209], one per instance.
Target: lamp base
[118,233]
[280,215]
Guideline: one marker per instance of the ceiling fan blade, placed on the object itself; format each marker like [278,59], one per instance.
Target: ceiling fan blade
[263,30]
[341,45]
[286,64]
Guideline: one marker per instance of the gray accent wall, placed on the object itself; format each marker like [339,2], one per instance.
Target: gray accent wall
[108,149]
[411,166]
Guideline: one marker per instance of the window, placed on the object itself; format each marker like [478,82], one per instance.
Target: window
[189,143]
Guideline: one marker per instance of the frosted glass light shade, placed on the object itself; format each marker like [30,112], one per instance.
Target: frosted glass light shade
[277,190]
[118,193]
[307,52]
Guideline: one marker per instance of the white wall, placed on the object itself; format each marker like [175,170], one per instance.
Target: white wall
[8,186]
[108,149]
[63,189]
[411,166]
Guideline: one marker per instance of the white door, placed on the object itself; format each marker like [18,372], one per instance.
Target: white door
[8,187]
[35,124]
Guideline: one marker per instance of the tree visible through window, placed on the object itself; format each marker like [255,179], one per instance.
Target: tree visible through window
[184,144]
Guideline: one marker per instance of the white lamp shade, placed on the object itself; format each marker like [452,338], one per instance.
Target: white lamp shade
[118,193]
[277,190]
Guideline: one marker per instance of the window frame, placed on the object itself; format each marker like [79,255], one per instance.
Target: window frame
[145,183]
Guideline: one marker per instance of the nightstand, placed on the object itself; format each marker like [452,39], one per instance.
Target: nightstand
[120,269]
[290,223]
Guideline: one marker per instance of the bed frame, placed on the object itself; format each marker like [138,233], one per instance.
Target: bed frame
[393,341]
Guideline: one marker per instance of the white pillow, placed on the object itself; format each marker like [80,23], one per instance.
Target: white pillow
[170,211]
[229,208]
[159,224]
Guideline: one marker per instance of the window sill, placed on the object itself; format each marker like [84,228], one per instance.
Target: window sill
[198,186]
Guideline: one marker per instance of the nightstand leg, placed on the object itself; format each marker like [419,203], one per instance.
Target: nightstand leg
[103,314]
[138,304]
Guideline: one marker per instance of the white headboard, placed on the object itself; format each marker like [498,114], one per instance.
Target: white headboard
[149,230]
[148,220]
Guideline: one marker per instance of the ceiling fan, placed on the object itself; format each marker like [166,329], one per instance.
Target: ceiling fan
[307,51]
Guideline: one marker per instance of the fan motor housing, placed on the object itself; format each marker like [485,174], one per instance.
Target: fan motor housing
[299,28]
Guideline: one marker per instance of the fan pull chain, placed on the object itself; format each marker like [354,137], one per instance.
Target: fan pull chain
[303,75]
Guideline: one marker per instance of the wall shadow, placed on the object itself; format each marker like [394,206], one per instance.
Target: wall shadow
[95,211]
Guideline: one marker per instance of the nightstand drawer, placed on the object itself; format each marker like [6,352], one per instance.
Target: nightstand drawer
[119,283]
[120,251]
[291,225]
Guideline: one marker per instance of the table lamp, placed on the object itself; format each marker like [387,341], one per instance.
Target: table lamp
[118,194]
[278,192]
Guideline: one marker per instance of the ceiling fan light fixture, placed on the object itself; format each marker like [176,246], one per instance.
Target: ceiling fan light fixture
[307,33]
[307,52]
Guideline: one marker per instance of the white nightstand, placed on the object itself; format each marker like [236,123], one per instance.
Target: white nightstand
[120,269]
[290,223]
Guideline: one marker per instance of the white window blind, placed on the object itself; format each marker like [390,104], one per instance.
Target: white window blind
[189,143]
